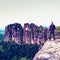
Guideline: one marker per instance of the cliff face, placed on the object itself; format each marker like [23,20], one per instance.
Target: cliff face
[30,33]
[14,32]
[50,51]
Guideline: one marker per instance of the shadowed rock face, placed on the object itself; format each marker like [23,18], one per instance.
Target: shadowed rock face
[50,51]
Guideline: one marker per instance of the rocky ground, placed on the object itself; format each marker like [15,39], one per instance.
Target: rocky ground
[50,51]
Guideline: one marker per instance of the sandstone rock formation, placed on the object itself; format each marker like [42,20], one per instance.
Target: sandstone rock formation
[50,51]
[30,33]
[14,32]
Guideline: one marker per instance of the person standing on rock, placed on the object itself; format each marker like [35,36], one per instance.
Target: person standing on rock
[52,30]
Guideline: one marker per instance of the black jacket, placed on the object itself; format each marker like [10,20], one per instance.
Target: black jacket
[52,28]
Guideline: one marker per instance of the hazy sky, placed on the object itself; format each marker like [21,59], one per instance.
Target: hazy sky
[40,12]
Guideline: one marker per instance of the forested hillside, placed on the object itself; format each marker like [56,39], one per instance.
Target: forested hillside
[13,51]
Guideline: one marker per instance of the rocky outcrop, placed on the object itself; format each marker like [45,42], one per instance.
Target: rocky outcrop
[14,32]
[50,51]
[30,33]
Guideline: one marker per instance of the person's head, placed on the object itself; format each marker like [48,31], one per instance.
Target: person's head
[52,23]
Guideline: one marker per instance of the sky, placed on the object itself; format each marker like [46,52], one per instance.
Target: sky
[40,12]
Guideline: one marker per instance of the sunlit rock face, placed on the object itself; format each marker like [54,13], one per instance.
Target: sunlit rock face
[50,51]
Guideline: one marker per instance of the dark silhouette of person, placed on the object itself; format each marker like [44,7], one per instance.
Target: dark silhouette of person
[52,30]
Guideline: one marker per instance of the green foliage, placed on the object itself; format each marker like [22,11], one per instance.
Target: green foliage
[23,59]
[57,31]
[57,28]
[13,51]
[1,48]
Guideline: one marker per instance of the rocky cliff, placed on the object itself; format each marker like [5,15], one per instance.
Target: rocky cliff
[14,32]
[50,51]
[30,33]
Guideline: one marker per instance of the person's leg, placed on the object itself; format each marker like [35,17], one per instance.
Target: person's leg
[50,36]
[54,36]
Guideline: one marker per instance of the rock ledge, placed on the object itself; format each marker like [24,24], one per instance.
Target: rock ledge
[50,51]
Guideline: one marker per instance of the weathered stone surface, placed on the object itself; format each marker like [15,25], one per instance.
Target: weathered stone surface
[30,33]
[50,51]
[14,32]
